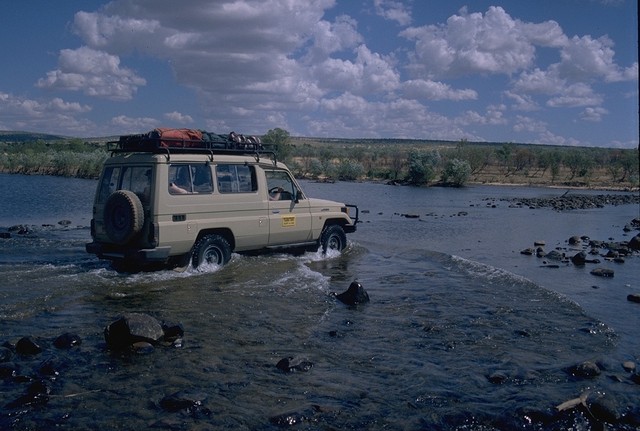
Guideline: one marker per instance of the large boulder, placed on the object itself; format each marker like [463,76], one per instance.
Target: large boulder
[354,295]
[634,243]
[132,328]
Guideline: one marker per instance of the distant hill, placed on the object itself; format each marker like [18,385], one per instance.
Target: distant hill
[17,136]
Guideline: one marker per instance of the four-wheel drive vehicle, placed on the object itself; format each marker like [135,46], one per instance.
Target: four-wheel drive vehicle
[169,202]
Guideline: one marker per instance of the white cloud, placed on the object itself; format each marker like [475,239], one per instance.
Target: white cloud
[528,124]
[431,90]
[55,115]
[95,73]
[393,10]
[134,125]
[473,43]
[593,114]
[178,117]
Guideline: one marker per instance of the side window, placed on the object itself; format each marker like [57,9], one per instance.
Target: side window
[189,179]
[109,183]
[280,186]
[138,180]
[202,181]
[236,178]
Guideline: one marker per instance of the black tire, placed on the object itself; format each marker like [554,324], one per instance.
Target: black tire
[211,248]
[123,216]
[333,238]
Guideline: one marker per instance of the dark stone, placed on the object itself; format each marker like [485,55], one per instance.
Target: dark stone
[528,251]
[67,341]
[28,346]
[554,255]
[605,409]
[172,332]
[354,295]
[586,369]
[291,364]
[132,328]
[602,272]
[579,259]
[634,243]
[37,394]
[5,235]
[497,378]
[64,222]
[183,401]
[8,369]
[5,354]
[634,297]
[50,368]
[575,240]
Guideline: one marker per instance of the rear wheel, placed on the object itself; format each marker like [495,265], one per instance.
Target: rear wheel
[211,249]
[333,238]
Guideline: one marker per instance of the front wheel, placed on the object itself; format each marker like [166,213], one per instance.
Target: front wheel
[211,249]
[333,238]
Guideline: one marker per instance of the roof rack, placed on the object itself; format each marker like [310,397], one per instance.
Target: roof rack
[211,144]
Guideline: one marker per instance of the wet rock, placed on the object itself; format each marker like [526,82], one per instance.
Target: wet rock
[8,370]
[354,295]
[528,251]
[634,243]
[5,354]
[634,297]
[67,341]
[635,378]
[5,235]
[132,328]
[629,366]
[497,378]
[554,255]
[605,409]
[602,272]
[291,419]
[50,368]
[291,364]
[574,240]
[28,346]
[37,394]
[142,347]
[172,332]
[539,243]
[586,369]
[579,259]
[64,222]
[187,401]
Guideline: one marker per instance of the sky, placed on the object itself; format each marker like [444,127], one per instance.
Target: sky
[553,72]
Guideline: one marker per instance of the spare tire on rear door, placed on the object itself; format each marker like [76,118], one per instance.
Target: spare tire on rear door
[123,216]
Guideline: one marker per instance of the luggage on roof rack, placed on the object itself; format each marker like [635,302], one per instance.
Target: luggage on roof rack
[166,139]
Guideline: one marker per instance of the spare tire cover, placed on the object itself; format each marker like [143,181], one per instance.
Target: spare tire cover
[123,216]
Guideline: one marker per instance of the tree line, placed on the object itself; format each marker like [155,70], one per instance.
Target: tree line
[414,162]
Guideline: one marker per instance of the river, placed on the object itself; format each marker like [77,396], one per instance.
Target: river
[462,331]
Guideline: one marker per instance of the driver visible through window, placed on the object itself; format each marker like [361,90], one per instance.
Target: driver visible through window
[280,186]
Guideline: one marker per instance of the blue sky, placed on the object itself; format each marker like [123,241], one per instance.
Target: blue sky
[557,72]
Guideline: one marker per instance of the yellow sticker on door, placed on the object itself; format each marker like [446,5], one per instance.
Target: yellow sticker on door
[288,221]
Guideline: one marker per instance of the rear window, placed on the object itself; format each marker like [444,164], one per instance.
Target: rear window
[236,178]
[134,178]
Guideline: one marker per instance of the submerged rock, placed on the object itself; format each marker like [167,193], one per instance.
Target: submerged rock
[67,341]
[291,364]
[28,346]
[602,272]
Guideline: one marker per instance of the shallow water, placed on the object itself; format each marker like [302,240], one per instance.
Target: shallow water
[462,331]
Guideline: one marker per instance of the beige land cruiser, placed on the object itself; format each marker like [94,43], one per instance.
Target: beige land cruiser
[163,201]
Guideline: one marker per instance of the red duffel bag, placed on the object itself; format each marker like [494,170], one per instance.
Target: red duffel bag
[177,137]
